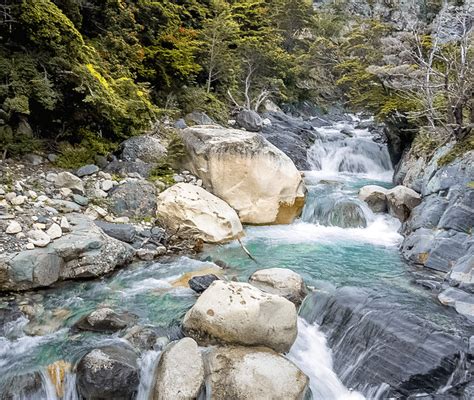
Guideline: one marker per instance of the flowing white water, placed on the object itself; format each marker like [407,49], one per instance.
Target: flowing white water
[312,355]
[147,364]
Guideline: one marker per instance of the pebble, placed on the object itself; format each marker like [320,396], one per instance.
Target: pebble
[51,176]
[81,200]
[146,254]
[107,185]
[10,196]
[104,175]
[54,231]
[40,226]
[32,194]
[178,178]
[42,198]
[65,224]
[13,228]
[89,169]
[65,192]
[38,238]
[2,191]
[30,246]
[18,200]
[20,235]
[52,158]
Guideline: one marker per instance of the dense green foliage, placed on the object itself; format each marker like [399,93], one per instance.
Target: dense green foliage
[89,73]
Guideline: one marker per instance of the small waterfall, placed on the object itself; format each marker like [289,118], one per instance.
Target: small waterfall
[312,355]
[147,364]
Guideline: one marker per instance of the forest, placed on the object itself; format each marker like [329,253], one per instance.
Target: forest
[90,73]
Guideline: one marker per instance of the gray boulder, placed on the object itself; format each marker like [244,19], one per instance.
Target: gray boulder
[85,252]
[124,168]
[123,232]
[375,197]
[85,170]
[108,373]
[70,181]
[198,118]
[461,301]
[104,320]
[146,148]
[462,274]
[200,283]
[133,199]
[249,120]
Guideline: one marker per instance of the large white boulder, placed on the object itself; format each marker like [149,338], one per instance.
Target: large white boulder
[401,200]
[258,180]
[180,372]
[238,313]
[253,373]
[193,212]
[281,281]
[375,197]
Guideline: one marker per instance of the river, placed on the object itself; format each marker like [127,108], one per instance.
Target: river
[338,243]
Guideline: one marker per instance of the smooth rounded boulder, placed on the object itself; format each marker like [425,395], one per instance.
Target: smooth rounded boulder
[281,281]
[108,373]
[375,197]
[192,212]
[239,313]
[255,178]
[401,200]
[253,373]
[180,372]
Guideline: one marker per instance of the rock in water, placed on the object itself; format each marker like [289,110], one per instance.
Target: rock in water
[108,373]
[249,120]
[190,211]
[375,197]
[200,283]
[253,373]
[401,200]
[104,320]
[254,177]
[238,313]
[145,148]
[281,281]
[180,372]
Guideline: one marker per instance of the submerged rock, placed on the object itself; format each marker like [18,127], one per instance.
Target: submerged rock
[180,372]
[238,313]
[253,373]
[192,212]
[281,281]
[108,373]
[255,178]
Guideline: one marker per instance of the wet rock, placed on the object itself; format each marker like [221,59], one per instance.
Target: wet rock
[280,281]
[238,313]
[462,302]
[447,247]
[249,120]
[192,212]
[462,273]
[198,118]
[25,386]
[253,373]
[422,355]
[375,197]
[255,178]
[401,200]
[83,253]
[86,170]
[104,320]
[108,373]
[145,148]
[200,283]
[180,372]
[133,199]
[70,181]
[427,214]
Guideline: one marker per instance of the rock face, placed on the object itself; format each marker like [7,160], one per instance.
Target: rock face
[375,197]
[193,212]
[281,281]
[238,313]
[374,342]
[145,148]
[249,120]
[260,182]
[133,199]
[108,373]
[253,373]
[180,372]
[401,200]
[83,253]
